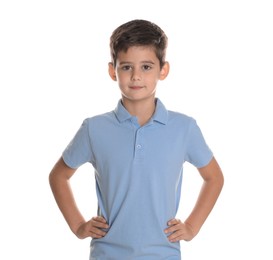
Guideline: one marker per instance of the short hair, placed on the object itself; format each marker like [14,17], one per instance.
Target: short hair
[138,33]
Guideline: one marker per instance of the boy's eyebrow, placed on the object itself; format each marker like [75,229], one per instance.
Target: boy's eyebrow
[129,62]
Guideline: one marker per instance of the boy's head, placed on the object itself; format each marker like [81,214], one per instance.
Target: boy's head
[138,33]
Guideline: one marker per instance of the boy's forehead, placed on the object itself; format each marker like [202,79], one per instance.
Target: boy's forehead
[145,50]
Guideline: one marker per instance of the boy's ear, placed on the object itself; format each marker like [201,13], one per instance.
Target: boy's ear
[111,71]
[164,71]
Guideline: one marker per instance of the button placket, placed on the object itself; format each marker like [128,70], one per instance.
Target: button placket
[138,145]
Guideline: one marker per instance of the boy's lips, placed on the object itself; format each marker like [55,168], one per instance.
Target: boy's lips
[135,87]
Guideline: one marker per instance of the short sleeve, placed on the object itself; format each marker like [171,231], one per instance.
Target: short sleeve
[79,150]
[198,152]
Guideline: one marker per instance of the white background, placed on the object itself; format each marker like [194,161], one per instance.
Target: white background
[53,74]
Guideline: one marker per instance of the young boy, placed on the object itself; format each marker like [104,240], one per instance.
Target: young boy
[137,151]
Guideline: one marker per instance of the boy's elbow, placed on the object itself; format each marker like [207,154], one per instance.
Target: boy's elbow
[52,178]
[220,180]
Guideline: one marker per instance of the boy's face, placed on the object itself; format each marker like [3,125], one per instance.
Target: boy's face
[137,73]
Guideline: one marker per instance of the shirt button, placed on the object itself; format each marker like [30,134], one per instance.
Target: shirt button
[138,146]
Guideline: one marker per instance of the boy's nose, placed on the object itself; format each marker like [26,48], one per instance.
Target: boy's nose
[136,75]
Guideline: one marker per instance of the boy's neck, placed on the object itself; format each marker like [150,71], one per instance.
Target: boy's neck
[143,109]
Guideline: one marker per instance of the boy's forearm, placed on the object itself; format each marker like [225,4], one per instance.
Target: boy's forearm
[205,203]
[64,197]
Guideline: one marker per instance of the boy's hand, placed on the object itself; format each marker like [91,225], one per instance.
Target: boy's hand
[179,231]
[92,228]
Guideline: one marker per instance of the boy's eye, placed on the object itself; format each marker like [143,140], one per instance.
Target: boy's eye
[130,67]
[146,67]
[126,67]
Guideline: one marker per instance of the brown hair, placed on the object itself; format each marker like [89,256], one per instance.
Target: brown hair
[138,33]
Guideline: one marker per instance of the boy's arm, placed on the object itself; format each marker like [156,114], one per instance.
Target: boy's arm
[59,182]
[211,188]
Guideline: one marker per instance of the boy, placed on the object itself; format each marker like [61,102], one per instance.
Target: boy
[137,151]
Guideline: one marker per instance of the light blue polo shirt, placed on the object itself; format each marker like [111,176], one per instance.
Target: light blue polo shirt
[138,173]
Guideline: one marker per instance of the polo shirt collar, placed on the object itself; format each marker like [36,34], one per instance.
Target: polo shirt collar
[160,115]
[121,113]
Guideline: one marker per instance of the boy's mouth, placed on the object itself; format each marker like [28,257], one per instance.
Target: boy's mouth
[135,87]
